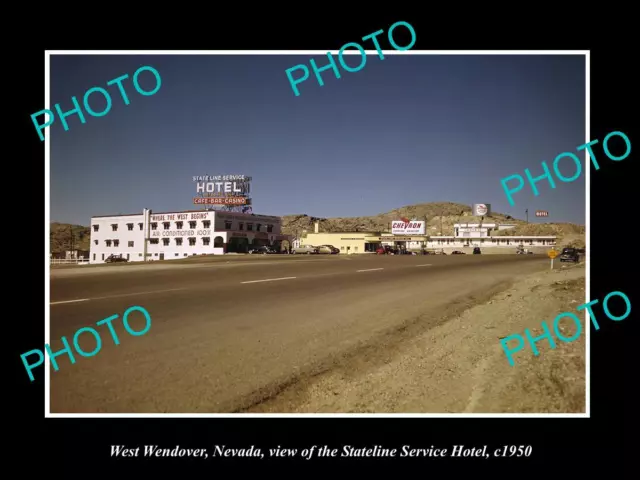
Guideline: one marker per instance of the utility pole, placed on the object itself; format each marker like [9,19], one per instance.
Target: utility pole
[527,213]
[71,240]
[426,235]
[441,212]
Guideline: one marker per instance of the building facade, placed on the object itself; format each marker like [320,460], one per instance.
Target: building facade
[149,236]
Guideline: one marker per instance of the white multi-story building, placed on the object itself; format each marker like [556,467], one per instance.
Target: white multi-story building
[470,235]
[171,235]
[480,235]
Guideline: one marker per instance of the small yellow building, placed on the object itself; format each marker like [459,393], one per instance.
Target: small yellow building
[360,242]
[347,242]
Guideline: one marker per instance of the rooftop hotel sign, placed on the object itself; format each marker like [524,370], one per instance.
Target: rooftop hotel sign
[222,190]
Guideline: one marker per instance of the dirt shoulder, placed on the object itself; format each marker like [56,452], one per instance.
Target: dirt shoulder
[460,367]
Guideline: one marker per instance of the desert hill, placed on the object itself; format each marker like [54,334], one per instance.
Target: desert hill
[61,236]
[437,214]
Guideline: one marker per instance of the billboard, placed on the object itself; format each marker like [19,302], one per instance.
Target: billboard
[224,192]
[481,210]
[405,226]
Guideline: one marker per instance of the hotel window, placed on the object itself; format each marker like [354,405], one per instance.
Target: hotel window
[165,241]
[192,241]
[130,226]
[114,227]
[206,223]
[249,227]
[179,242]
[141,225]
[96,228]
[95,242]
[116,243]
[269,228]
[258,227]
[177,254]
[227,225]
[107,243]
[241,226]
[154,241]
[103,256]
[193,224]
[154,226]
[179,225]
[166,225]
[130,244]
[206,240]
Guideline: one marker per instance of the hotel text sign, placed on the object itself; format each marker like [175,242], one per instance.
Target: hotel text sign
[222,190]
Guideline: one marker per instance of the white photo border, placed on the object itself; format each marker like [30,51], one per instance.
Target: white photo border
[47,167]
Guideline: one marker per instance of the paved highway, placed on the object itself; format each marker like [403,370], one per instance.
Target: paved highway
[226,335]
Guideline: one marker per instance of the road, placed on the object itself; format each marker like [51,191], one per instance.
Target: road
[227,336]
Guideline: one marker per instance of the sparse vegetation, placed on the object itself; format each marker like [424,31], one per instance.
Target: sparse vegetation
[62,234]
[449,212]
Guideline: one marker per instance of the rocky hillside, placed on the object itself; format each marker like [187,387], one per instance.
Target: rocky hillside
[448,212]
[62,233]
[439,215]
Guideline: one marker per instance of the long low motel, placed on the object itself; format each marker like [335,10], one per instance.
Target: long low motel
[149,236]
[465,236]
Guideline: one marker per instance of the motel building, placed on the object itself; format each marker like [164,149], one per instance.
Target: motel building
[149,236]
[470,235]
[465,238]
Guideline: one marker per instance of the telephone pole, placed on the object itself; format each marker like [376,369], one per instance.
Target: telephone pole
[527,213]
[71,240]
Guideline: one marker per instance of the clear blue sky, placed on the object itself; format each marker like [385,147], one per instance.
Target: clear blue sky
[403,130]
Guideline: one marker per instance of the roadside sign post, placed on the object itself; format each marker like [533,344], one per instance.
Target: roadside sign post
[552,254]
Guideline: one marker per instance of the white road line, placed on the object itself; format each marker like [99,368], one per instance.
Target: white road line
[138,293]
[70,301]
[370,270]
[269,280]
[119,295]
[425,265]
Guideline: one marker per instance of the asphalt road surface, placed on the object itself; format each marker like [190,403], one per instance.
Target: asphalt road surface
[226,336]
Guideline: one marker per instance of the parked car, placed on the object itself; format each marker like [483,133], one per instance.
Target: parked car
[264,250]
[115,259]
[570,255]
[477,251]
[457,252]
[308,249]
[385,250]
[330,249]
